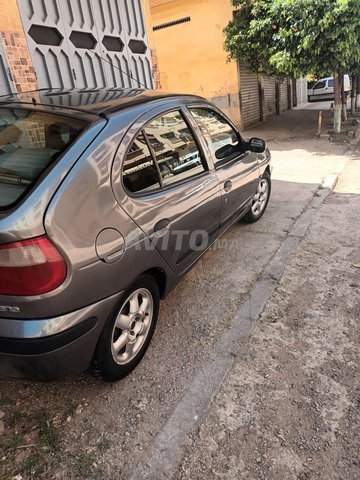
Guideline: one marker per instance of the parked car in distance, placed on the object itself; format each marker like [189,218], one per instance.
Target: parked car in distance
[107,199]
[323,89]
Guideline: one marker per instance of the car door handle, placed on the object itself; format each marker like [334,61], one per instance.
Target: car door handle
[161,224]
[228,185]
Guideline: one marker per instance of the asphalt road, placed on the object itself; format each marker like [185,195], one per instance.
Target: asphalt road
[105,430]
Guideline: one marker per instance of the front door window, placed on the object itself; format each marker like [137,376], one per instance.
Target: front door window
[223,141]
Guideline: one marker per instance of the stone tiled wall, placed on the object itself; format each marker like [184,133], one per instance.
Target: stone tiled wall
[36,132]
[15,47]
[19,60]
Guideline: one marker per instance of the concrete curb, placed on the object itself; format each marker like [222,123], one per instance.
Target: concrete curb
[167,449]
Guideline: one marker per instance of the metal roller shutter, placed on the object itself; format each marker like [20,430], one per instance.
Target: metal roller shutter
[250,98]
[269,96]
[284,105]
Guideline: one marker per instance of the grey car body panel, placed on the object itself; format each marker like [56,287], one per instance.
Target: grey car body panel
[38,328]
[83,208]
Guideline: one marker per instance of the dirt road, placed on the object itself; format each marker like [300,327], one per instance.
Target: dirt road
[82,428]
[290,407]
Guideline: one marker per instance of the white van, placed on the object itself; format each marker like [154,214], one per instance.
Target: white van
[324,89]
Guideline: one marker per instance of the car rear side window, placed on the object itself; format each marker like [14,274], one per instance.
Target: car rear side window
[139,171]
[177,154]
[330,82]
[222,139]
[30,141]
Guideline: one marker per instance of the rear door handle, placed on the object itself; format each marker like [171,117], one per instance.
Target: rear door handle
[161,224]
[228,185]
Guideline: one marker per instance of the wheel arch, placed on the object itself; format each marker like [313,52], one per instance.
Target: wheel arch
[160,277]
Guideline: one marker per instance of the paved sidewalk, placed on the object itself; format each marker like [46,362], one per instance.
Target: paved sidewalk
[297,124]
[289,409]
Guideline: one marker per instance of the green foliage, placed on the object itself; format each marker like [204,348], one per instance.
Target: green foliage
[296,37]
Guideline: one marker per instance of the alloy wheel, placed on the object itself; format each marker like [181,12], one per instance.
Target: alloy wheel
[260,197]
[132,326]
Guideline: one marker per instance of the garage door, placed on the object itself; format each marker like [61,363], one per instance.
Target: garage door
[250,98]
[283,89]
[269,96]
[87,43]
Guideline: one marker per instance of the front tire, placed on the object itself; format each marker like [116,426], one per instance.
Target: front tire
[260,200]
[128,331]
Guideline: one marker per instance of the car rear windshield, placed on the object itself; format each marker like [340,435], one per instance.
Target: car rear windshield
[30,141]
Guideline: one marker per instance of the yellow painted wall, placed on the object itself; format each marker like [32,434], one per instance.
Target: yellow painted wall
[191,57]
[10,17]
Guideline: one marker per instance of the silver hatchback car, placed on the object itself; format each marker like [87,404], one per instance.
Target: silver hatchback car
[107,199]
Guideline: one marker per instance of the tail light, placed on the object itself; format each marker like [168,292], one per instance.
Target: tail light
[30,267]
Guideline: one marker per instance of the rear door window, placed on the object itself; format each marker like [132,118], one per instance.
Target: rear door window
[30,141]
[139,172]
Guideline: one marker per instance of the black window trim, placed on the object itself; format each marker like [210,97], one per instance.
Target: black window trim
[153,156]
[222,164]
[162,187]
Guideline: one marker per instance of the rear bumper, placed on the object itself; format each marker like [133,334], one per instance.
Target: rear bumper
[28,350]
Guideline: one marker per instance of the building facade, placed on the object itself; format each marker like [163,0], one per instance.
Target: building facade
[84,44]
[176,45]
[188,37]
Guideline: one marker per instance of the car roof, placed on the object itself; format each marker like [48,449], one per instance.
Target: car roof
[90,103]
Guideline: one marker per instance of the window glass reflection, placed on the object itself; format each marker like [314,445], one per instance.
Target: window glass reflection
[223,141]
[176,151]
[139,172]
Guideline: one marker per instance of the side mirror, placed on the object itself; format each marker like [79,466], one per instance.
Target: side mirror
[225,151]
[257,145]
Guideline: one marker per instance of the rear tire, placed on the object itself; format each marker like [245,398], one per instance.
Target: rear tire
[260,200]
[128,331]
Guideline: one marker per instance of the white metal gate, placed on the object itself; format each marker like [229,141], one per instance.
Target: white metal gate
[87,43]
[250,96]
[5,81]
